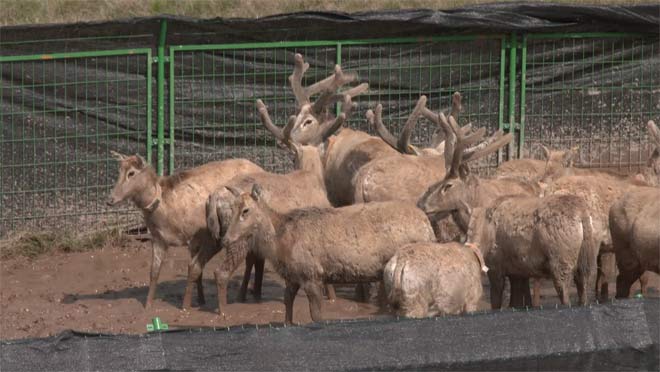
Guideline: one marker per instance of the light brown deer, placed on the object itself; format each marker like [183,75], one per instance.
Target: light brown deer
[312,246]
[406,174]
[600,190]
[301,188]
[429,279]
[634,221]
[173,210]
[344,153]
[460,187]
[536,238]
[535,170]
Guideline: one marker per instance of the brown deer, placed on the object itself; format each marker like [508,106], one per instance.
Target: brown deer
[600,190]
[634,221]
[173,210]
[535,170]
[344,153]
[312,246]
[404,175]
[536,237]
[460,187]
[301,188]
[429,279]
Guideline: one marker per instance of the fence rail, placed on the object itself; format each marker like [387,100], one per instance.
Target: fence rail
[62,112]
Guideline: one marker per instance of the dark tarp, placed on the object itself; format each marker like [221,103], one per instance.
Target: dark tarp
[490,18]
[619,336]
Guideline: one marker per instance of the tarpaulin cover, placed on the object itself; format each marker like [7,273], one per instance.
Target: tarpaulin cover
[619,336]
[491,18]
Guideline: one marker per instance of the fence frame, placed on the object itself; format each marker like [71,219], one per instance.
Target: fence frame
[513,69]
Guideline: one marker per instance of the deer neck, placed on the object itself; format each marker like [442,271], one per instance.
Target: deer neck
[149,198]
[266,239]
[313,165]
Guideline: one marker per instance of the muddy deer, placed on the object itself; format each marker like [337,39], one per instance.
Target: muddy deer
[173,209]
[406,174]
[429,279]
[301,188]
[600,190]
[312,246]
[343,153]
[460,187]
[535,170]
[634,221]
[536,238]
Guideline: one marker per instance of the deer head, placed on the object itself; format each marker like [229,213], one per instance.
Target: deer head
[135,177]
[314,121]
[249,216]
[458,185]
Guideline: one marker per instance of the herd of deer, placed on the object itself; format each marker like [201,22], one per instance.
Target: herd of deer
[360,209]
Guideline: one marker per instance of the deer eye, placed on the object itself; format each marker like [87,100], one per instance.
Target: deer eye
[307,122]
[245,211]
[446,187]
[130,174]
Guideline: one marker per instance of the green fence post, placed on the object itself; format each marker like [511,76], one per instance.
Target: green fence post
[503,46]
[338,61]
[523,85]
[161,95]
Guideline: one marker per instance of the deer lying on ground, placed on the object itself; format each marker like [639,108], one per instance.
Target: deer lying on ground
[173,210]
[343,154]
[634,221]
[429,279]
[536,237]
[301,188]
[312,246]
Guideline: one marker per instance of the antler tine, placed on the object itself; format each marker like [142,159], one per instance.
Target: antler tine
[267,122]
[376,120]
[295,79]
[403,144]
[117,155]
[492,144]
[331,83]
[332,125]
[654,132]
[456,106]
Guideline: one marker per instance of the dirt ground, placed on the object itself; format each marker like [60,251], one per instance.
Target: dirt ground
[104,291]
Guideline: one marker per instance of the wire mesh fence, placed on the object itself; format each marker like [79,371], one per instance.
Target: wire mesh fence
[62,113]
[594,91]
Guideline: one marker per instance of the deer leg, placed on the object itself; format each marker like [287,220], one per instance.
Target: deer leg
[520,295]
[233,258]
[250,260]
[203,253]
[536,300]
[158,250]
[289,295]
[330,292]
[625,280]
[561,286]
[362,291]
[643,284]
[259,264]
[496,289]
[606,264]
[315,297]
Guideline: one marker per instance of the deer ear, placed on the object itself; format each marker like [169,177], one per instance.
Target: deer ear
[118,156]
[257,192]
[546,152]
[569,157]
[141,162]
[234,191]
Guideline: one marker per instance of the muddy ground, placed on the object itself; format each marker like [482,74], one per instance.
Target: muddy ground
[104,291]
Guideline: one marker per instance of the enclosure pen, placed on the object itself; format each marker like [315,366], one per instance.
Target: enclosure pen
[66,102]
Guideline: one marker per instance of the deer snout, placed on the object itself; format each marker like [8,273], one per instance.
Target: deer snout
[111,201]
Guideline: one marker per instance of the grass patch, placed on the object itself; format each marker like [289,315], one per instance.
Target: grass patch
[16,12]
[34,244]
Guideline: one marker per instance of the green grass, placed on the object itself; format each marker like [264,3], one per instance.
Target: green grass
[34,244]
[14,12]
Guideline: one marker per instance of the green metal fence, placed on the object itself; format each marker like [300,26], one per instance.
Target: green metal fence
[62,113]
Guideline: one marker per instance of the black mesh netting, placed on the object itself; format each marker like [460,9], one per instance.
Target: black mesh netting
[618,336]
